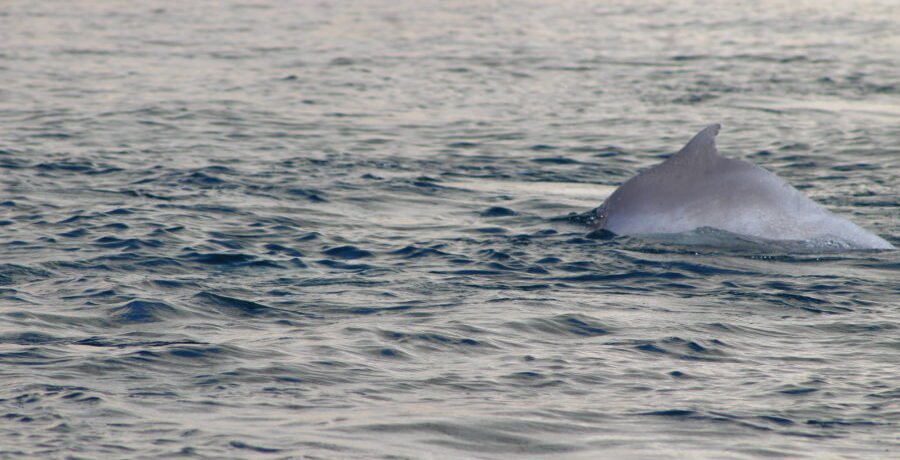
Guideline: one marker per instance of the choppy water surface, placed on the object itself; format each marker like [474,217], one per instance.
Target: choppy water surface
[282,229]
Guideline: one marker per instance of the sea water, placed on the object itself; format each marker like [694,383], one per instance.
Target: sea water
[340,229]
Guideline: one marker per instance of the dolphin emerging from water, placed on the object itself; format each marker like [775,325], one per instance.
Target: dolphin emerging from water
[698,188]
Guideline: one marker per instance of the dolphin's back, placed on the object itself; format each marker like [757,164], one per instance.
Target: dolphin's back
[697,188]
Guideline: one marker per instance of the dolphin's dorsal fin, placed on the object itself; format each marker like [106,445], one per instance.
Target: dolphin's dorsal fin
[698,188]
[701,146]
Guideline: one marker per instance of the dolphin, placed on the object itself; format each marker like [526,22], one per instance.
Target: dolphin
[697,188]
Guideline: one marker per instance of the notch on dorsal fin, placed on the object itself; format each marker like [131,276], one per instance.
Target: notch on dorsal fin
[703,145]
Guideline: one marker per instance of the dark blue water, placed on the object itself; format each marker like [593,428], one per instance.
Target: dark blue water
[278,229]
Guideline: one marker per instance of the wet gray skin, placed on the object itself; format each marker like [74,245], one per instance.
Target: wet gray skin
[697,188]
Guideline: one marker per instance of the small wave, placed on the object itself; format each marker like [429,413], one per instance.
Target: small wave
[721,239]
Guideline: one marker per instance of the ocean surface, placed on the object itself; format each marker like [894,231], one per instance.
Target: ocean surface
[343,229]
